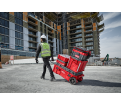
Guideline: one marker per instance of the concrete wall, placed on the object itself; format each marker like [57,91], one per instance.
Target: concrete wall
[5,58]
[25,38]
[11,35]
[92,59]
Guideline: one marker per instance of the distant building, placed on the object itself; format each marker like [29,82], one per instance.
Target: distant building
[20,32]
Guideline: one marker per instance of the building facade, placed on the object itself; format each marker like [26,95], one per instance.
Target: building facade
[20,32]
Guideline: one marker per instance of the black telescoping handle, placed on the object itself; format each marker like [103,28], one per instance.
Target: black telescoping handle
[52,62]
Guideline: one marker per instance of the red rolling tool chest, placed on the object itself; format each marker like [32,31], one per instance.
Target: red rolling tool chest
[71,67]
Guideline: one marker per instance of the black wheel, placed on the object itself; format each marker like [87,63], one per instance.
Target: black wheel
[72,80]
[80,80]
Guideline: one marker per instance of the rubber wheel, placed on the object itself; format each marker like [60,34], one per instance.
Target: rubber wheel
[72,80]
[81,79]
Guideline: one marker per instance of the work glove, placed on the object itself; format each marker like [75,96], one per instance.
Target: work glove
[36,61]
[52,59]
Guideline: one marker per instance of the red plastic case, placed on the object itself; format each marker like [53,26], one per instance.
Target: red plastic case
[75,65]
[67,75]
[81,53]
[63,59]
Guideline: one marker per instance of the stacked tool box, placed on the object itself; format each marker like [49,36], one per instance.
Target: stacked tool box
[71,67]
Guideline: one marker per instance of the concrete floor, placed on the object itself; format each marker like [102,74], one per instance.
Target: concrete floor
[26,79]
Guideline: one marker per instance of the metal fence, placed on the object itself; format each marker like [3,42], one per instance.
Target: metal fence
[17,53]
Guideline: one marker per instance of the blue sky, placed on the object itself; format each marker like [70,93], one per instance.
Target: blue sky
[110,38]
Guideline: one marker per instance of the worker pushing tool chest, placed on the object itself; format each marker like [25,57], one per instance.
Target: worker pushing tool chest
[71,67]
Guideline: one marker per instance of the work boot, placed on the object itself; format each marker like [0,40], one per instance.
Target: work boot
[42,77]
[52,79]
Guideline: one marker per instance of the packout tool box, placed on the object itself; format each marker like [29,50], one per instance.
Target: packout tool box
[62,59]
[71,67]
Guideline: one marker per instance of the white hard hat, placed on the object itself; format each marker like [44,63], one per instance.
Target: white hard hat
[43,36]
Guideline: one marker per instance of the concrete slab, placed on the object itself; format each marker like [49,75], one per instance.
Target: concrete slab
[26,79]
[28,61]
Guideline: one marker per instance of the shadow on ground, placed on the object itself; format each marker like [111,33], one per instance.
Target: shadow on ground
[89,82]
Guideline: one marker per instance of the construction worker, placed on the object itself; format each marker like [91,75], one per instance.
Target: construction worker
[46,52]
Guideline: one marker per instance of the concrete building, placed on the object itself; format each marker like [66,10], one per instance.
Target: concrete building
[20,33]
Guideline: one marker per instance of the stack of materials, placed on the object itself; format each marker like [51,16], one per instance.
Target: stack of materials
[71,67]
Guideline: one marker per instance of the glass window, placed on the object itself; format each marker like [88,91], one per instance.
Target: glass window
[21,22]
[89,43]
[18,41]
[21,29]
[17,14]
[6,39]
[2,22]
[6,31]
[6,15]
[6,23]
[76,44]
[3,30]
[2,38]
[78,26]
[21,42]
[89,39]
[21,16]
[76,40]
[17,21]
[16,34]
[15,41]
[0,29]
[15,27]
[21,35]
[2,14]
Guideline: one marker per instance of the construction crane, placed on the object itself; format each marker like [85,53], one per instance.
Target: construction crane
[106,58]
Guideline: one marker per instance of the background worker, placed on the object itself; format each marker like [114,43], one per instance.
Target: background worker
[46,52]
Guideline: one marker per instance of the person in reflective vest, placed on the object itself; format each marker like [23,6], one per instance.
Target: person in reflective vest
[46,52]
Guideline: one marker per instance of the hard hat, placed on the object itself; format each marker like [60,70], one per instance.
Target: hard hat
[43,36]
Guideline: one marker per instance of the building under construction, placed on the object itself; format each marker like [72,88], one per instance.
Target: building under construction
[20,32]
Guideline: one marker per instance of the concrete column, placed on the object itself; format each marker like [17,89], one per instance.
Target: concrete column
[42,28]
[54,46]
[47,38]
[83,39]
[11,35]
[38,39]
[69,49]
[25,39]
[47,33]
[58,46]
[96,44]
[61,46]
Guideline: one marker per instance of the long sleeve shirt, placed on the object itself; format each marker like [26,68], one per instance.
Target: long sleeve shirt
[39,50]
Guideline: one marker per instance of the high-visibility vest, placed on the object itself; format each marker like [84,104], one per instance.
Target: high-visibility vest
[45,50]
